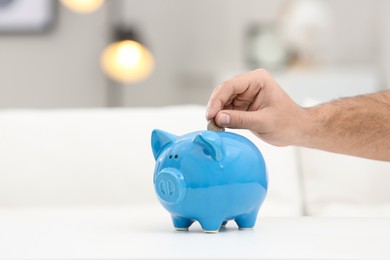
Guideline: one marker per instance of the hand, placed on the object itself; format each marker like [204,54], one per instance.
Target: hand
[254,101]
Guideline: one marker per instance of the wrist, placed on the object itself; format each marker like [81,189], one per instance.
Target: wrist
[308,125]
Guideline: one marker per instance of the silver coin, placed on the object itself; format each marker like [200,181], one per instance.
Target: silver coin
[212,126]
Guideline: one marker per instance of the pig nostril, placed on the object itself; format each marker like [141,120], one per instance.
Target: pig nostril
[170,157]
[176,156]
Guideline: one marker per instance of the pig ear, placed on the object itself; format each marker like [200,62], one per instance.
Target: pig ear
[160,140]
[212,142]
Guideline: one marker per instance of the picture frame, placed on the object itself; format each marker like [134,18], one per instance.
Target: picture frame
[26,16]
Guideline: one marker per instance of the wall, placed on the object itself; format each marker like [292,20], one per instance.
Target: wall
[384,40]
[196,41]
[59,68]
[193,42]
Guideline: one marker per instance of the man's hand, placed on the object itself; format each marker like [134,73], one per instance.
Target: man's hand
[358,126]
[254,101]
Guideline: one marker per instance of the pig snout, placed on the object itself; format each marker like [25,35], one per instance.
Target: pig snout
[170,185]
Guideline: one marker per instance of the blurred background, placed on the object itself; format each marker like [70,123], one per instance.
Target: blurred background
[57,53]
[65,64]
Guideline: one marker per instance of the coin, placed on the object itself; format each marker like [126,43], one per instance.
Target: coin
[212,126]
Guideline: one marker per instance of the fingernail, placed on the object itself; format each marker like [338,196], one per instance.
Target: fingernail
[224,119]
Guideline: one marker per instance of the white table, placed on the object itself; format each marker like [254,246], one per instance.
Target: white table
[139,233]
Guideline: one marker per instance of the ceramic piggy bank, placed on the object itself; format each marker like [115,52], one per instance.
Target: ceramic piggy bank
[210,177]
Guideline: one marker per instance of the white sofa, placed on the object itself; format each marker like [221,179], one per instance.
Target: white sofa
[102,157]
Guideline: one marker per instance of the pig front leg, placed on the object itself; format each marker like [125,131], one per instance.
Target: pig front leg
[181,223]
[211,225]
[247,221]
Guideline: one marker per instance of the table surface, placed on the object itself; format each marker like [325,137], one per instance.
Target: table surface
[146,232]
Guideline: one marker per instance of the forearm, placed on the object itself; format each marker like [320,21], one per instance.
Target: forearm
[357,126]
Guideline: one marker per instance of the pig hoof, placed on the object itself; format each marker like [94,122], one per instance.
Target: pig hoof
[211,231]
[181,229]
[242,228]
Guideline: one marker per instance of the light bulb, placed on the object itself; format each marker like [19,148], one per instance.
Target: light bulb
[127,61]
[83,6]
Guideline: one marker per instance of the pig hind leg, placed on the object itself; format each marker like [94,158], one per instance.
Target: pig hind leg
[246,221]
[181,223]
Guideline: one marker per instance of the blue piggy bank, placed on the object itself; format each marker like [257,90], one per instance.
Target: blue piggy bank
[210,177]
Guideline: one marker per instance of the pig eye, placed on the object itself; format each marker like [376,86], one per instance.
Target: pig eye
[176,156]
[170,157]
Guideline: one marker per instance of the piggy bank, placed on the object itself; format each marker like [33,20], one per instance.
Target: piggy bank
[209,177]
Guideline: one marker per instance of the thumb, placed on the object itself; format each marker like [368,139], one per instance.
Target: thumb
[236,119]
